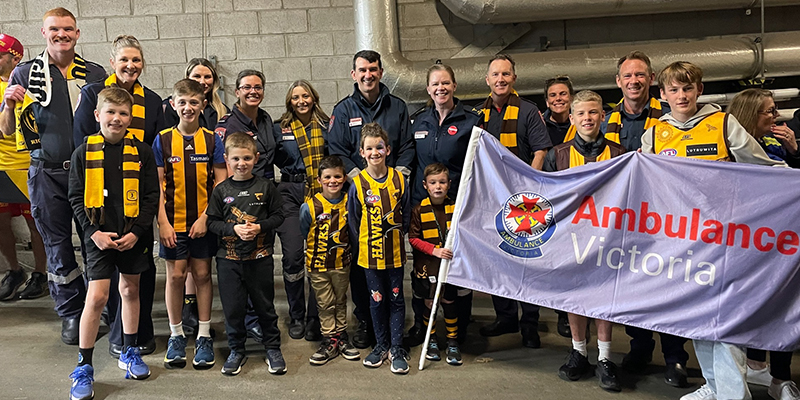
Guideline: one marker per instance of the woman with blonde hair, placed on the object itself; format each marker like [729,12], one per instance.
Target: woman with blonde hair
[201,70]
[127,61]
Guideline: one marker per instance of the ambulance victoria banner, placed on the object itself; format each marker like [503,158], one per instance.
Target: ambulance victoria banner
[698,249]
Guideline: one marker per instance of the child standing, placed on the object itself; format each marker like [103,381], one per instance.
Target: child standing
[588,145]
[190,162]
[704,133]
[244,211]
[113,190]
[323,221]
[430,224]
[378,218]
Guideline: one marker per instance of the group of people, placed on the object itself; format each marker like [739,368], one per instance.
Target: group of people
[115,156]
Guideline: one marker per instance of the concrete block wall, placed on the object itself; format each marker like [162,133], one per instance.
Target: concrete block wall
[286,39]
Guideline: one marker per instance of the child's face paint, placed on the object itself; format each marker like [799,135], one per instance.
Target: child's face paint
[374,151]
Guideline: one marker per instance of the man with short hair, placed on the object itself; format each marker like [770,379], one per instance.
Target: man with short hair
[370,102]
[637,112]
[519,126]
[14,197]
[44,90]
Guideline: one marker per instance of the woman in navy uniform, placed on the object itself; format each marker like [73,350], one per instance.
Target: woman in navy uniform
[441,133]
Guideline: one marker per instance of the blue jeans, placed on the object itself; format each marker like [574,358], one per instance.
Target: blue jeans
[386,305]
[724,367]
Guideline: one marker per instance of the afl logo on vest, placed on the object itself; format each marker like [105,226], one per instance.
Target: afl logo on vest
[174,159]
[372,198]
[525,223]
[669,152]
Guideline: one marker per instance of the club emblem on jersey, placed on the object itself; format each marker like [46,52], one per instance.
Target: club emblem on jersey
[228,200]
[525,223]
[372,198]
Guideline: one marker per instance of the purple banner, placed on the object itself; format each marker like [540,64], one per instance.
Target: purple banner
[698,249]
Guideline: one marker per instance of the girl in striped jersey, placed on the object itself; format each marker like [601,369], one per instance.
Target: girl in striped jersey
[378,212]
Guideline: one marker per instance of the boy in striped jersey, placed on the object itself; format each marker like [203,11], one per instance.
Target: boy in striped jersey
[378,217]
[190,163]
[323,221]
[430,223]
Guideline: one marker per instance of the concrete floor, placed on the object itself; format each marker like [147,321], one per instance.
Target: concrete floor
[36,364]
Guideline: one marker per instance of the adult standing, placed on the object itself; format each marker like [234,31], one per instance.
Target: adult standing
[370,102]
[519,126]
[755,110]
[14,197]
[441,134]
[558,93]
[127,62]
[202,71]
[638,110]
[46,89]
[626,123]
[299,137]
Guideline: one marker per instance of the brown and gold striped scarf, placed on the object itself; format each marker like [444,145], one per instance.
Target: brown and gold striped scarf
[93,196]
[508,129]
[137,122]
[312,148]
[615,120]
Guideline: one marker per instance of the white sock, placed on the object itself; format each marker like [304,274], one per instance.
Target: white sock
[204,328]
[176,330]
[603,350]
[580,347]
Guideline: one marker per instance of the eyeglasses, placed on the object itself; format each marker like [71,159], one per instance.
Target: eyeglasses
[772,111]
[248,88]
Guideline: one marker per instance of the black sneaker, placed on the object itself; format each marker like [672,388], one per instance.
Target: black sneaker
[328,350]
[10,283]
[297,329]
[606,372]
[636,361]
[415,336]
[575,368]
[35,287]
[361,338]
[276,365]
[433,353]
[233,365]
[453,354]
[346,349]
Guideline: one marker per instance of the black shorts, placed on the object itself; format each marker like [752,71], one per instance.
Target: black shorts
[186,247]
[423,288]
[100,264]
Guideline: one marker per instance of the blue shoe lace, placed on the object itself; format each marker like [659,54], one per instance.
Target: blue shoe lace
[82,378]
[136,367]
[176,347]
[204,350]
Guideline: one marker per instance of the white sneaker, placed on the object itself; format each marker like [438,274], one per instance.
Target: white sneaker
[704,393]
[786,390]
[760,377]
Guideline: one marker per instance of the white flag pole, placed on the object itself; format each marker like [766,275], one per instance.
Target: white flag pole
[444,267]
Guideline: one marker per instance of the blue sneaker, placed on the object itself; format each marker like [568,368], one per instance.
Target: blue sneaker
[176,352]
[233,365]
[82,378]
[131,361]
[376,357]
[275,362]
[203,353]
[399,360]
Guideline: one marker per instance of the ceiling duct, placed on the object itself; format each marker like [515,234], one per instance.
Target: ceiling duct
[725,58]
[509,11]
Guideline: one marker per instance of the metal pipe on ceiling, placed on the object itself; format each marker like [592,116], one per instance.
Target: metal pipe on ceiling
[509,11]
[724,58]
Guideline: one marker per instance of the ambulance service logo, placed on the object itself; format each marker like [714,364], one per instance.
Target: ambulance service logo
[525,223]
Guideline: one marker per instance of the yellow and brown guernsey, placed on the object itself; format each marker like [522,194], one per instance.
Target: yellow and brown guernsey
[706,141]
[328,241]
[434,233]
[380,241]
[188,175]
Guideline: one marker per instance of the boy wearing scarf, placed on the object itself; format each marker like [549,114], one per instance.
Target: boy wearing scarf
[113,190]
